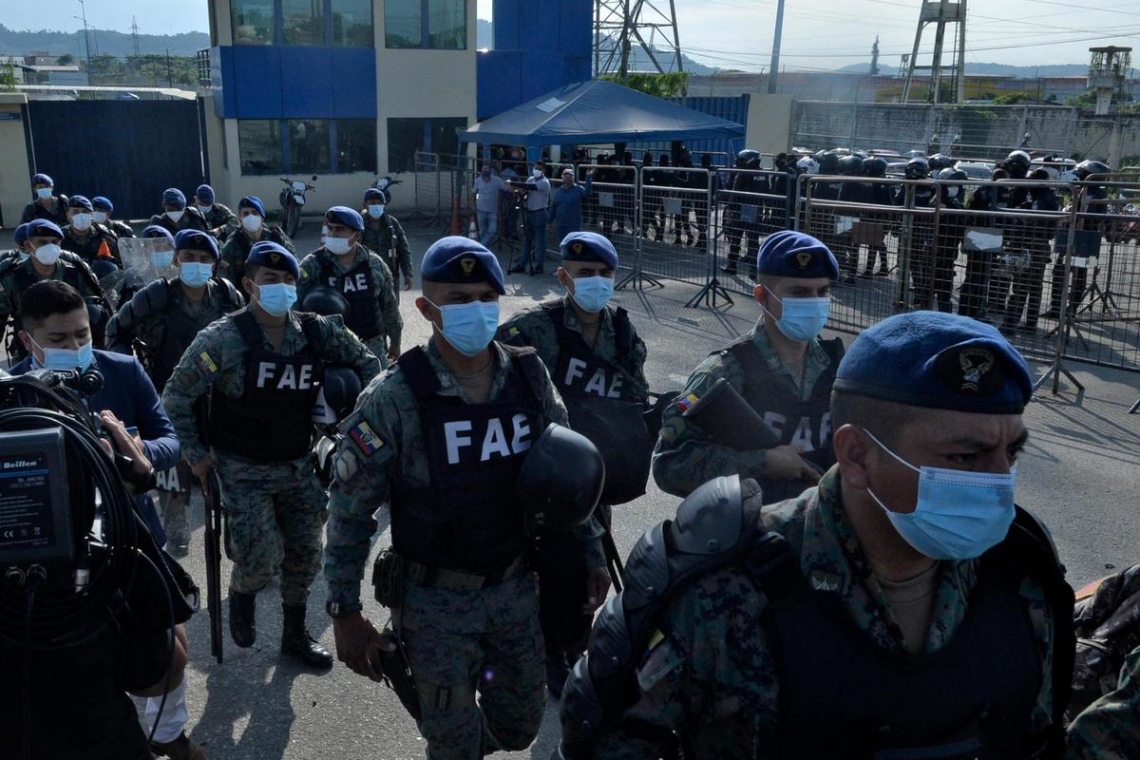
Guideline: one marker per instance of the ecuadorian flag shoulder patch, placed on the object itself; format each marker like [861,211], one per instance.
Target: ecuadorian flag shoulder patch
[206,363]
[365,439]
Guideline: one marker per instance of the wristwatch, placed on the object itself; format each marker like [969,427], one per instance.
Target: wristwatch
[342,609]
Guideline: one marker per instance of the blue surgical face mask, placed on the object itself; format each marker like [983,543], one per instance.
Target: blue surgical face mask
[593,293]
[469,327]
[67,359]
[195,274]
[24,256]
[802,318]
[163,259]
[277,299]
[44,193]
[376,210]
[960,514]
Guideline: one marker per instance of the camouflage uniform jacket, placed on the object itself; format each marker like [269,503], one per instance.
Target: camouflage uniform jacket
[397,449]
[216,360]
[99,241]
[711,673]
[151,329]
[236,250]
[74,273]
[686,457]
[222,216]
[1109,729]
[384,234]
[388,319]
[534,328]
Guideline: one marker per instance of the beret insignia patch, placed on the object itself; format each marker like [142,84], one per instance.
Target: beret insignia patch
[467,264]
[275,258]
[971,371]
[577,248]
[803,259]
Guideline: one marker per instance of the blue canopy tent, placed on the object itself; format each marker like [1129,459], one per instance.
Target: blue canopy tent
[597,112]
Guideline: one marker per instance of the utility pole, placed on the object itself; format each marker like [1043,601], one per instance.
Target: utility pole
[773,77]
[620,26]
[941,13]
[86,38]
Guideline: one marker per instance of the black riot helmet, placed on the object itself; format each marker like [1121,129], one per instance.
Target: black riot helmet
[560,481]
[1086,169]
[326,302]
[917,168]
[940,161]
[1017,164]
[875,166]
[828,162]
[956,176]
[341,388]
[748,159]
[851,166]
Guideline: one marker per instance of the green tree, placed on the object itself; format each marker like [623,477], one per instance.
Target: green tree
[7,77]
[1012,98]
[671,85]
[67,59]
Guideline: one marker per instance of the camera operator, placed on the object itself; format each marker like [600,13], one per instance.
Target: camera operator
[49,661]
[57,336]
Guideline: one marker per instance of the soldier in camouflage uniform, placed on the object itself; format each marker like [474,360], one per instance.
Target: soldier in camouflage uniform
[47,262]
[597,362]
[360,276]
[441,437]
[103,208]
[781,369]
[86,238]
[251,216]
[221,221]
[384,236]
[261,369]
[1109,729]
[160,321]
[904,607]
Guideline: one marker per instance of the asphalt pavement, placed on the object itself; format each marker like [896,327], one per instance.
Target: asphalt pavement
[1078,473]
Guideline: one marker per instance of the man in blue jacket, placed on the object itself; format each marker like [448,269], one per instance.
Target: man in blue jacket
[567,202]
[57,336]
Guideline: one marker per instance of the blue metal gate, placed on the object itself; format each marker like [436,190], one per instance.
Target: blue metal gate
[127,150]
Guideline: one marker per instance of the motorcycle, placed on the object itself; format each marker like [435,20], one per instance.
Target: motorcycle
[292,200]
[383,184]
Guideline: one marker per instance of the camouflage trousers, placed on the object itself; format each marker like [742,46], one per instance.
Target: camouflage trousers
[275,515]
[488,641]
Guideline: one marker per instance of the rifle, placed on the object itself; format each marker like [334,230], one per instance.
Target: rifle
[726,416]
[214,563]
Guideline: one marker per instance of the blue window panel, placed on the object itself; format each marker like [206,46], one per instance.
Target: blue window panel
[538,25]
[499,82]
[257,82]
[222,81]
[354,83]
[506,17]
[307,82]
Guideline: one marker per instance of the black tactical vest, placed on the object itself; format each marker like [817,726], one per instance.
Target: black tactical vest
[75,276]
[181,329]
[357,287]
[600,401]
[853,699]
[272,419]
[469,518]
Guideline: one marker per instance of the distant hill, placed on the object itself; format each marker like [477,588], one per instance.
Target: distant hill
[995,70]
[103,42]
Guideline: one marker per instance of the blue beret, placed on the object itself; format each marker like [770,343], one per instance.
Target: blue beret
[350,218]
[273,256]
[936,360]
[102,203]
[462,260]
[80,201]
[204,193]
[21,234]
[794,254]
[589,246]
[374,192]
[196,240]
[42,179]
[158,231]
[43,227]
[174,197]
[253,202]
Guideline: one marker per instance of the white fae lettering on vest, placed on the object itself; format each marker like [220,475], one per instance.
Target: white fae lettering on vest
[597,383]
[495,440]
[776,421]
[802,436]
[289,379]
[360,283]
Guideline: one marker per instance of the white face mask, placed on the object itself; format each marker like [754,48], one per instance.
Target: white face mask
[100,216]
[81,222]
[175,215]
[47,254]
[338,246]
[538,173]
[205,209]
[251,223]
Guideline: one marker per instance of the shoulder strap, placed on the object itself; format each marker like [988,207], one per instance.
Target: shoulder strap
[248,329]
[745,352]
[421,377]
[623,332]
[834,350]
[230,293]
[150,300]
[556,311]
[526,360]
[311,327]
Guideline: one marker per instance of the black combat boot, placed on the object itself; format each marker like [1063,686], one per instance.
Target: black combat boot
[298,644]
[242,627]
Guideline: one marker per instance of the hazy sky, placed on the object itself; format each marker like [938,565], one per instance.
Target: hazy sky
[738,33]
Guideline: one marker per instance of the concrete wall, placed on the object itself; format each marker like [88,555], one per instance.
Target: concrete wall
[770,123]
[15,176]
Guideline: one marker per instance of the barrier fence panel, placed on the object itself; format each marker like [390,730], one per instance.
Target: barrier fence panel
[749,206]
[427,188]
[675,206]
